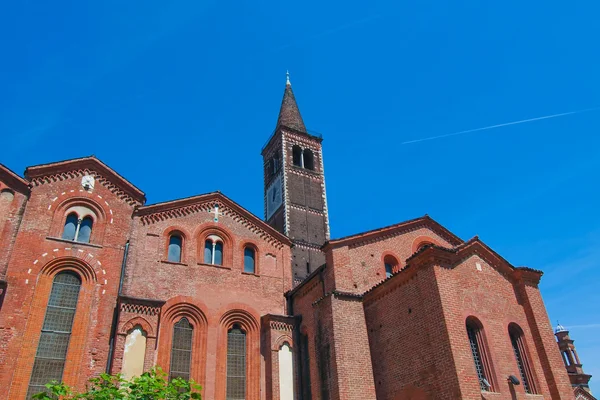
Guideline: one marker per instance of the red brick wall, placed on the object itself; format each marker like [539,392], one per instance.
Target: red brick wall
[492,297]
[409,340]
[360,267]
[12,206]
[39,254]
[221,295]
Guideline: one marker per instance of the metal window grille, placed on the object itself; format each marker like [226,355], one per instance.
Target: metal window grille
[236,364]
[181,350]
[515,339]
[54,340]
[472,333]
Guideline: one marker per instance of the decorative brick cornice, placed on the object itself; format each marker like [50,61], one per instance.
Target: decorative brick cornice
[204,203]
[450,258]
[140,306]
[380,234]
[69,169]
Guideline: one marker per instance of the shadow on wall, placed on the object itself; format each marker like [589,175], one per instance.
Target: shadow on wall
[412,393]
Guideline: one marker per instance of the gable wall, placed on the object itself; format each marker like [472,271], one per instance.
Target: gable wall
[36,245]
[214,290]
[490,296]
[358,268]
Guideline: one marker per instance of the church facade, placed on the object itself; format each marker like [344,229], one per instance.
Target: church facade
[94,280]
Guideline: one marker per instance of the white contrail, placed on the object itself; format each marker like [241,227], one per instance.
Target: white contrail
[501,125]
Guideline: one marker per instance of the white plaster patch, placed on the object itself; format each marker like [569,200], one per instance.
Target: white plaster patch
[44,255]
[81,251]
[103,272]
[55,250]
[103,291]
[286,373]
[35,262]
[478,266]
[29,271]
[50,206]
[27,281]
[54,199]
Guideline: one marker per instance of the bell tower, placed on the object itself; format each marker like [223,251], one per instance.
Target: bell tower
[294,187]
[579,379]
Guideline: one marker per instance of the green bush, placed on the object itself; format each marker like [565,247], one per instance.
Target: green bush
[151,385]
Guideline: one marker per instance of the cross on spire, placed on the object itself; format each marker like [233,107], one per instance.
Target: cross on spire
[287,78]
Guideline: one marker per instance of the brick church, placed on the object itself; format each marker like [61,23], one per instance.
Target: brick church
[94,280]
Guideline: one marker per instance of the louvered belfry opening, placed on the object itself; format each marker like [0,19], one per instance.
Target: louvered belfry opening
[181,350]
[236,364]
[52,349]
[518,345]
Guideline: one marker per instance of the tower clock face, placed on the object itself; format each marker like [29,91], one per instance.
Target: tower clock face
[274,197]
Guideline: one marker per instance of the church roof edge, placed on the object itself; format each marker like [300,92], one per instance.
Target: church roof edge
[362,236]
[186,201]
[92,162]
[14,180]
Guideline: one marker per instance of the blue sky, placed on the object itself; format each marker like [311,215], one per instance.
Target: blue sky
[180,98]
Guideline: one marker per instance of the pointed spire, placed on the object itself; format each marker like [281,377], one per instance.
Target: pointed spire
[287,78]
[289,114]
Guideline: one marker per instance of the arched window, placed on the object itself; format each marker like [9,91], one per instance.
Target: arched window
[52,348]
[213,250]
[297,156]
[85,230]
[236,364]
[309,159]
[181,350]
[79,230]
[274,164]
[390,263]
[518,344]
[249,260]
[70,227]
[174,253]
[480,354]
[218,260]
